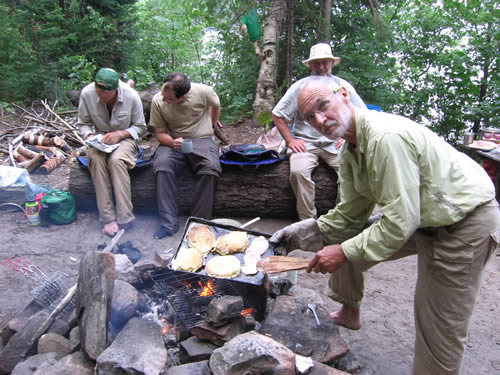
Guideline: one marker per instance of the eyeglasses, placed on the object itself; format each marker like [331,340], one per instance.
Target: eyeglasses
[322,107]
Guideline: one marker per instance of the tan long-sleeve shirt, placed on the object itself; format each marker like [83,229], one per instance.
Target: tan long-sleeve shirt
[127,113]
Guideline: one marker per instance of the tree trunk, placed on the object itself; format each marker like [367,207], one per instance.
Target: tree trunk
[482,90]
[289,43]
[264,191]
[266,82]
[325,25]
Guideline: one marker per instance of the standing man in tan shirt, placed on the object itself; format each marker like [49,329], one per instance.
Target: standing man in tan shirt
[184,111]
[111,108]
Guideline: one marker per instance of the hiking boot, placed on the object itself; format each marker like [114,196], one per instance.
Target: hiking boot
[163,232]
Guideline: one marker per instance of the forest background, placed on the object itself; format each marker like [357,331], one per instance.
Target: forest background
[433,61]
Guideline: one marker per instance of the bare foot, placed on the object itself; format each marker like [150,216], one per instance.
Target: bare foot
[347,317]
[111,228]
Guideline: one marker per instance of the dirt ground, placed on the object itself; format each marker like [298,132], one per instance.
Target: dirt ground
[384,344]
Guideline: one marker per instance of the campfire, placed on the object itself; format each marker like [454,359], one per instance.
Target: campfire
[168,318]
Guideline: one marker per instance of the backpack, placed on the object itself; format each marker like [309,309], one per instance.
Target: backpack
[249,155]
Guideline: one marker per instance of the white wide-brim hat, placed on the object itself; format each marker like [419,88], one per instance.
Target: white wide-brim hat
[321,51]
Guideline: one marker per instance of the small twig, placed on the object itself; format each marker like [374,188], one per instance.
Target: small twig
[11,155]
[67,112]
[74,130]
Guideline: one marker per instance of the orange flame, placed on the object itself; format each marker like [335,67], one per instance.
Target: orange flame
[164,330]
[207,289]
[166,326]
[246,312]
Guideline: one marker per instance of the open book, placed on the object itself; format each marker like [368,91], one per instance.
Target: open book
[103,147]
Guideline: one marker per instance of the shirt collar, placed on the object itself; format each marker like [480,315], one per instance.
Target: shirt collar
[360,148]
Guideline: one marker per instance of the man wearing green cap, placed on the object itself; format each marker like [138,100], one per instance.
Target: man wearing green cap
[113,110]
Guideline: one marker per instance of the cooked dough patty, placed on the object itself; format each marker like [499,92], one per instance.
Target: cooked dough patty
[188,259]
[233,242]
[223,267]
[202,238]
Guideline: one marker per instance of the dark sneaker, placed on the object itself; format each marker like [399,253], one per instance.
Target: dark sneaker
[163,232]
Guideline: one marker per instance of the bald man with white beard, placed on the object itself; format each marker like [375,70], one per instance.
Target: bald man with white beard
[436,203]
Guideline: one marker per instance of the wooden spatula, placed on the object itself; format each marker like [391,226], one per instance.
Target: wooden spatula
[276,263]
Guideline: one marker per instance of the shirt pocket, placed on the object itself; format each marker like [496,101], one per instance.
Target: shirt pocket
[122,118]
[453,256]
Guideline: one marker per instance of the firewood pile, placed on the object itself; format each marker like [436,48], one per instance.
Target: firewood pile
[39,138]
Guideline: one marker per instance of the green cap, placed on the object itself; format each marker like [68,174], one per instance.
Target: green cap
[107,79]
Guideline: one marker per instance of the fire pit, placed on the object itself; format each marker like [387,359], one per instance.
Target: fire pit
[189,293]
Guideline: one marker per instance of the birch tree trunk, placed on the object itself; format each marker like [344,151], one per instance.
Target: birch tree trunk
[266,82]
[325,25]
[289,43]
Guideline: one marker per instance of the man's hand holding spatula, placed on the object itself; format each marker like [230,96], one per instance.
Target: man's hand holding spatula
[305,235]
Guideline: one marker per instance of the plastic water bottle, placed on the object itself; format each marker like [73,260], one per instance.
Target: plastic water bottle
[32,211]
[44,215]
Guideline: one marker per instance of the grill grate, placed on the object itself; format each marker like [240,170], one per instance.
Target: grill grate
[189,294]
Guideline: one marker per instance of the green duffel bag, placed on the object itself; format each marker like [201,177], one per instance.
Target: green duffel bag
[62,206]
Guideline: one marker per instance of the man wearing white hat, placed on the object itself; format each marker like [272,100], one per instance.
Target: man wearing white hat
[306,145]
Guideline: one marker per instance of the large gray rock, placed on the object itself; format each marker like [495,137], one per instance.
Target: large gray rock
[124,304]
[252,353]
[194,350]
[74,340]
[195,368]
[321,369]
[77,363]
[125,269]
[218,335]
[291,323]
[222,310]
[34,363]
[60,327]
[53,342]
[138,349]
[18,346]
[95,291]
[123,307]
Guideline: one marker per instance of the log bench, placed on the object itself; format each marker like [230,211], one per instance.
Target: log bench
[264,191]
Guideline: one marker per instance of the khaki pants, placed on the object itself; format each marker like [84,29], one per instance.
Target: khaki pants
[110,176]
[302,165]
[450,264]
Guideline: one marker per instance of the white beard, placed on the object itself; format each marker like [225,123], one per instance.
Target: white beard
[334,129]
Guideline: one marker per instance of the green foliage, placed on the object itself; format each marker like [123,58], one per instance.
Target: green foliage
[46,43]
[436,62]
[82,71]
[264,119]
[6,108]
[447,65]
